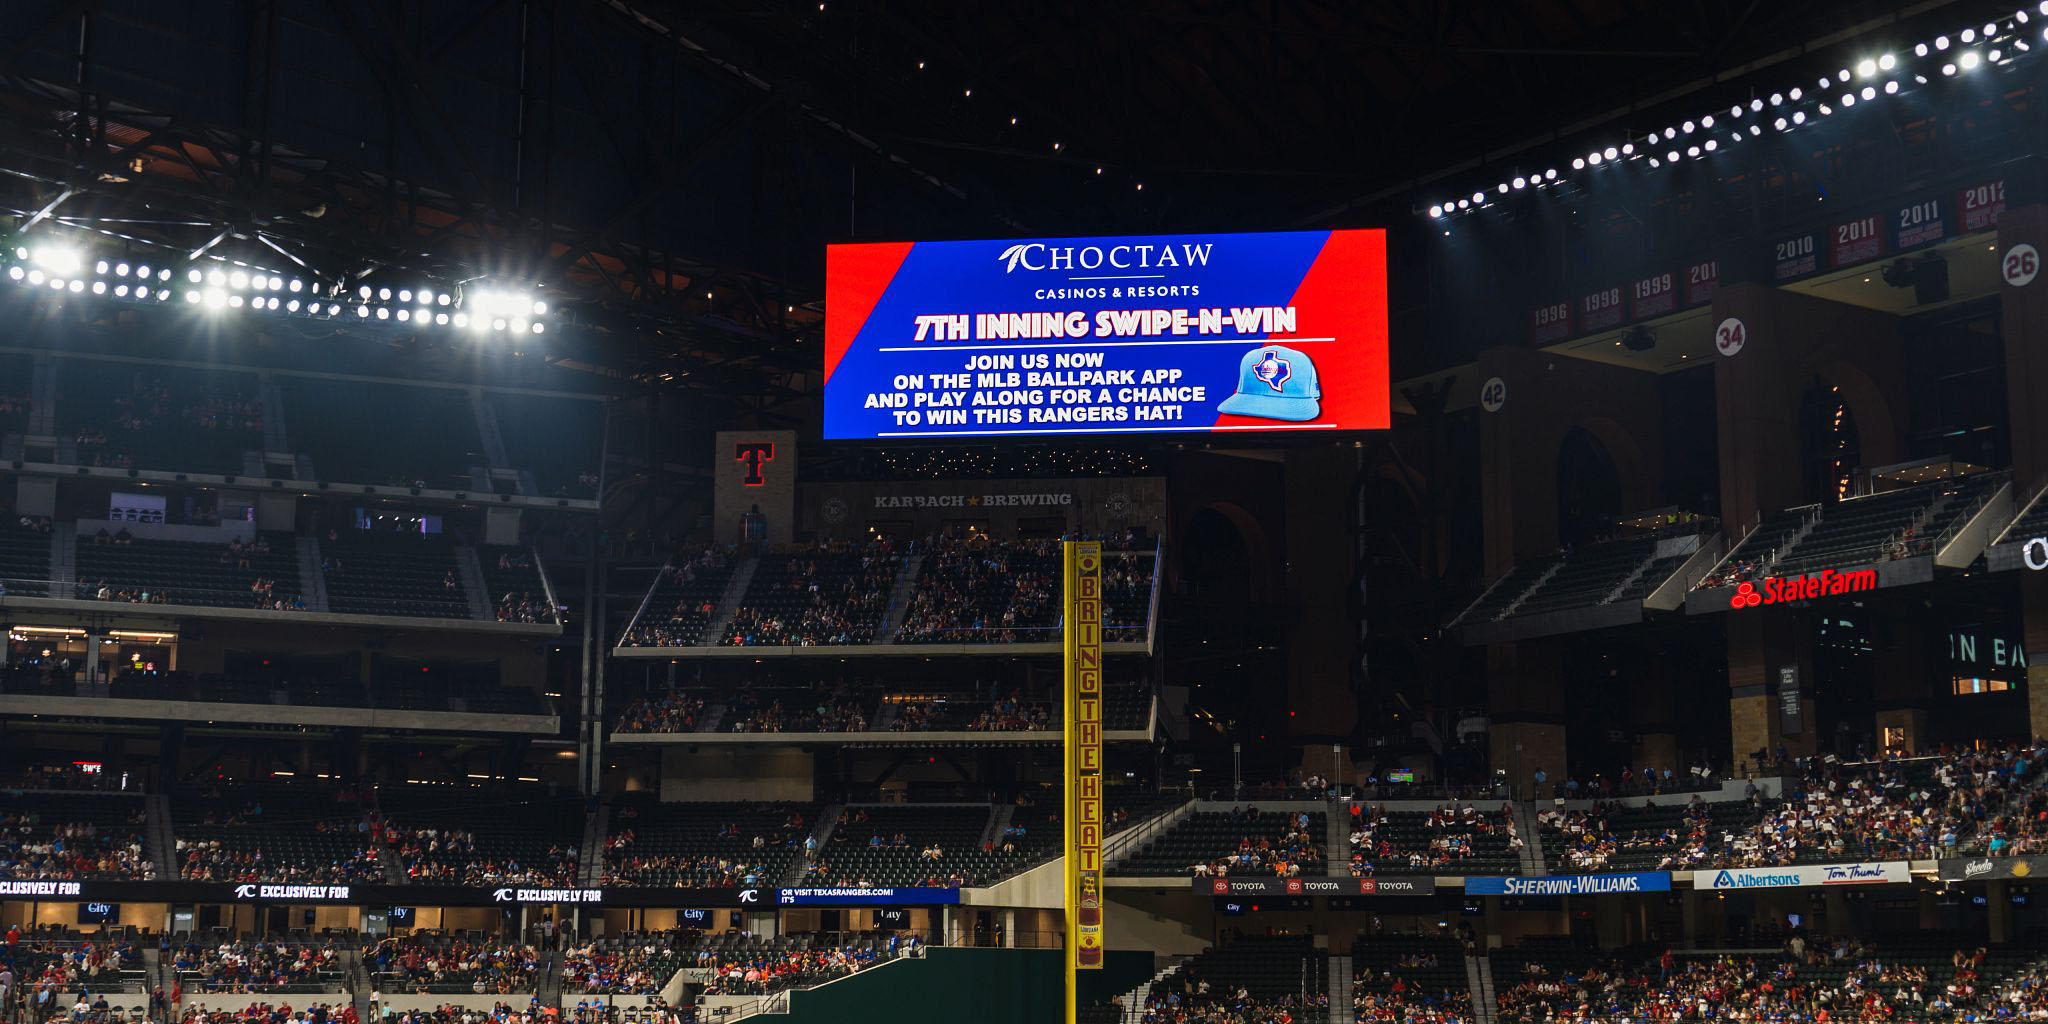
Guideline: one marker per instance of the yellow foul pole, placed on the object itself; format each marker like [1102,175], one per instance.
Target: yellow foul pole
[1083,819]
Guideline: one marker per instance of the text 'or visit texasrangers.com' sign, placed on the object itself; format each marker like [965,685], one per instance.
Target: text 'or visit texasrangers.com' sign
[1152,334]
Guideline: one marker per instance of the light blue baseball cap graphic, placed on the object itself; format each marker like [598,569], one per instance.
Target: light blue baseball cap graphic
[1276,383]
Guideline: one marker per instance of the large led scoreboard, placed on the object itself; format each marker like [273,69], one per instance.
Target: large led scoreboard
[1280,332]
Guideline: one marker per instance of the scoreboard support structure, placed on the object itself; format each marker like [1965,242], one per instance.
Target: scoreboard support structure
[1081,629]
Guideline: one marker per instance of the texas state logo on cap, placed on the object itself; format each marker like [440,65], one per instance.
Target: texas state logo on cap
[1276,383]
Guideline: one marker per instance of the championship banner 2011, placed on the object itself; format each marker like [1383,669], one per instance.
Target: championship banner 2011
[1084,819]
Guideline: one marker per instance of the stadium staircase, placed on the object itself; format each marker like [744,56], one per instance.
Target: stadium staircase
[487,431]
[394,868]
[42,415]
[152,969]
[1340,989]
[1630,580]
[596,825]
[1479,975]
[999,817]
[1134,1000]
[899,600]
[1336,845]
[1509,611]
[549,986]
[358,985]
[885,717]
[729,602]
[312,581]
[1532,838]
[473,586]
[63,558]
[1973,527]
[274,437]
[714,716]
[828,819]
[157,832]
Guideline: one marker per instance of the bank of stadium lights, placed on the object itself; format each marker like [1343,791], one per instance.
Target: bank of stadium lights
[223,287]
[1997,43]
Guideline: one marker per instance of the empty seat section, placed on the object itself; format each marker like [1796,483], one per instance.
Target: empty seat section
[25,556]
[1248,841]
[413,575]
[263,573]
[650,843]
[158,417]
[560,440]
[908,844]
[384,434]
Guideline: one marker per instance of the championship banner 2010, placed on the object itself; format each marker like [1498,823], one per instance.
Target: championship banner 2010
[1084,820]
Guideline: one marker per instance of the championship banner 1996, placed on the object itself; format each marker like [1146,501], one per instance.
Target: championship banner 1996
[1277,331]
[1084,753]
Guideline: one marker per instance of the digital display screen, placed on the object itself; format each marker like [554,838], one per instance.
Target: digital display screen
[98,913]
[1276,332]
[399,916]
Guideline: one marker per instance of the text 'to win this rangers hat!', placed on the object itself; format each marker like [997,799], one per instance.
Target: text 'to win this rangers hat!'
[1276,383]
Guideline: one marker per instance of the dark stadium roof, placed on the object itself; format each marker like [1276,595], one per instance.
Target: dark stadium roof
[680,165]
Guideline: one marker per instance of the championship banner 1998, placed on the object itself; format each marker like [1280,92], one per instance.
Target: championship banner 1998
[1084,753]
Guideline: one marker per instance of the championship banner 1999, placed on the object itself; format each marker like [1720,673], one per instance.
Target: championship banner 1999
[1084,753]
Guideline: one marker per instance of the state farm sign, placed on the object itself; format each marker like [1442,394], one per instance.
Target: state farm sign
[1827,583]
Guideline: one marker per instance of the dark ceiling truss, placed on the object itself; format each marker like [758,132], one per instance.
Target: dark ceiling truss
[158,178]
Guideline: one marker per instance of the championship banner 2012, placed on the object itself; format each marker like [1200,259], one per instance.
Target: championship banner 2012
[1083,588]
[1277,331]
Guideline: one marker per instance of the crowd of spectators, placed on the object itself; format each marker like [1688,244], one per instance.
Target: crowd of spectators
[59,965]
[429,962]
[683,623]
[1197,1001]
[280,1013]
[1013,714]
[521,605]
[251,966]
[1388,994]
[1294,852]
[1449,834]
[587,968]
[1830,980]
[755,974]
[449,856]
[33,847]
[242,842]
[1955,802]
[978,591]
[674,711]
[834,710]
[825,597]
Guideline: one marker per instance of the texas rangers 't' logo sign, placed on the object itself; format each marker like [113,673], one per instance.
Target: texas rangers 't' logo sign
[1273,370]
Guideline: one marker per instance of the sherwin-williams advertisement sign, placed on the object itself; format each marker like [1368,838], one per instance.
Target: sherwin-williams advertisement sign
[1273,332]
[1570,885]
[1895,871]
